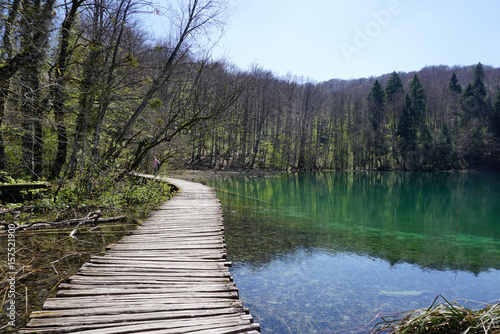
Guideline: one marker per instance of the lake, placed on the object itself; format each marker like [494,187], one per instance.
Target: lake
[333,252]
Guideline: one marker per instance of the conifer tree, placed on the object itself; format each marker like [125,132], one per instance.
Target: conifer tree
[394,88]
[478,85]
[418,104]
[377,111]
[453,84]
[376,105]
[406,132]
[395,100]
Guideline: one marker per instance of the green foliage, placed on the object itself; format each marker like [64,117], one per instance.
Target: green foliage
[394,87]
[453,84]
[155,104]
[478,84]
[376,107]
[131,196]
[418,102]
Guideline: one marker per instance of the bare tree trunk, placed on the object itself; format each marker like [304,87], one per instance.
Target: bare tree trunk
[58,92]
[4,86]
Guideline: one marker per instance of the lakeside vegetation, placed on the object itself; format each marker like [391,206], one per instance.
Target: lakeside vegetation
[444,317]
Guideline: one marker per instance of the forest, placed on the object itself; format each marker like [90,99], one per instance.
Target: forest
[84,90]
[439,118]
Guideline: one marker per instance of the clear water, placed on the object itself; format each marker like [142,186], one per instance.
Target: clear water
[334,252]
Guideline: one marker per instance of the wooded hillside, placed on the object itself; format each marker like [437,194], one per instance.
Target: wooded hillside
[438,118]
[83,89]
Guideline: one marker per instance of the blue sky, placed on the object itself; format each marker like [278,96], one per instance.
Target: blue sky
[345,39]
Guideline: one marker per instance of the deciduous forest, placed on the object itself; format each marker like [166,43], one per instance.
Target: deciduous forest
[85,90]
[438,118]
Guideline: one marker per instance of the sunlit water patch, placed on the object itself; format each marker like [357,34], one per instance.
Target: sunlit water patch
[333,252]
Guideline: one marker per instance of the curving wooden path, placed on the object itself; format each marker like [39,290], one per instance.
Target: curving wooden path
[169,276]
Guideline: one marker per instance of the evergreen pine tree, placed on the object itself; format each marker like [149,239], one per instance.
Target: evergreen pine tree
[453,84]
[376,106]
[467,102]
[480,93]
[394,88]
[418,104]
[406,132]
[478,85]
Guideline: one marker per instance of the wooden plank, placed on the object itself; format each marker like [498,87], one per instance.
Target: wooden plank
[174,326]
[208,265]
[67,303]
[162,297]
[172,292]
[149,288]
[118,318]
[110,309]
[176,258]
[190,271]
[77,279]
[228,325]
[149,273]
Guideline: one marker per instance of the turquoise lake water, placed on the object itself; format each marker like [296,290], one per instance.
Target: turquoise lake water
[333,252]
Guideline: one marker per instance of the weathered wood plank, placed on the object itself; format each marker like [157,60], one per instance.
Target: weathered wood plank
[173,326]
[229,325]
[68,303]
[78,279]
[118,318]
[115,291]
[157,264]
[148,288]
[110,309]
[176,258]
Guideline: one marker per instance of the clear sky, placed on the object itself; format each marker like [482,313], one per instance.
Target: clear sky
[345,39]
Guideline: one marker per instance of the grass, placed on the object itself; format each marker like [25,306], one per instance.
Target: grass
[444,317]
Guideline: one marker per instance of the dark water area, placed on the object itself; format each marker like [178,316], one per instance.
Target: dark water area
[333,252]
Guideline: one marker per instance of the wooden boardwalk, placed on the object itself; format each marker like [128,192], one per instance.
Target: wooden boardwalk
[169,276]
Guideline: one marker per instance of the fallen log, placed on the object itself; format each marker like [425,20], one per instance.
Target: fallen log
[25,186]
[20,192]
[92,216]
[70,222]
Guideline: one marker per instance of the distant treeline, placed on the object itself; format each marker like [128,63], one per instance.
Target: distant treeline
[438,118]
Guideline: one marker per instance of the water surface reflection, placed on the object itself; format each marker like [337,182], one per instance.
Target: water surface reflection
[331,252]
